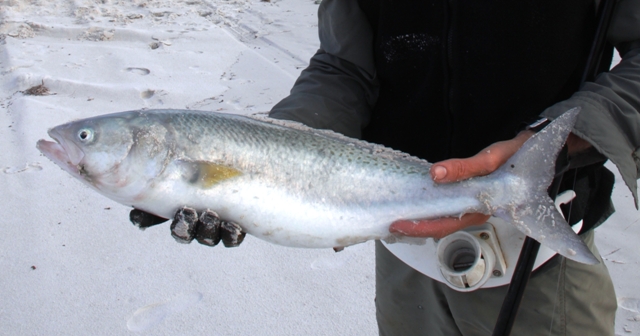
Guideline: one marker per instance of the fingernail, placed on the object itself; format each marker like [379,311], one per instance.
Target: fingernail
[439,172]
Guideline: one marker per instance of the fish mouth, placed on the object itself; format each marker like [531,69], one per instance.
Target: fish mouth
[64,153]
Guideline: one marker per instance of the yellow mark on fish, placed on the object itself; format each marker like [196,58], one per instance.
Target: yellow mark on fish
[208,174]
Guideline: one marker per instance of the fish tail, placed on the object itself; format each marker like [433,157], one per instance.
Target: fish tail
[537,216]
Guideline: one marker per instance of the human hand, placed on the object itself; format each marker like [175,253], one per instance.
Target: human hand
[208,229]
[453,170]
[577,145]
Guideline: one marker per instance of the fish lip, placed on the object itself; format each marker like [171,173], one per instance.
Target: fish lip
[56,153]
[73,152]
[63,153]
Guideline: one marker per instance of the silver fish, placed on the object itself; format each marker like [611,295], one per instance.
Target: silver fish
[297,186]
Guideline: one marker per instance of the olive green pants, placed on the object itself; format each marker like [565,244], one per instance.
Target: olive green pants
[563,297]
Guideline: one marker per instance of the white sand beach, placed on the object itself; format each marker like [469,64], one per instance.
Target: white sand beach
[71,263]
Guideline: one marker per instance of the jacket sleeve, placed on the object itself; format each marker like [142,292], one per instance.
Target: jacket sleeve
[610,106]
[337,91]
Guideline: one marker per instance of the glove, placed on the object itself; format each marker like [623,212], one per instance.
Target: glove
[208,229]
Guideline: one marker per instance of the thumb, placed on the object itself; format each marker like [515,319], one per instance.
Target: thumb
[483,163]
[454,170]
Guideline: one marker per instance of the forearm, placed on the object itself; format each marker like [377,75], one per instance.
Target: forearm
[610,106]
[337,91]
[330,94]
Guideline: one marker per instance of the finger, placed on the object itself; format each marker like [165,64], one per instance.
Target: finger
[183,227]
[231,234]
[483,163]
[436,228]
[208,228]
[575,144]
[143,219]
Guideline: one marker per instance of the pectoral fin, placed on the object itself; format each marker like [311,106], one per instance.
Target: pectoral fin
[207,174]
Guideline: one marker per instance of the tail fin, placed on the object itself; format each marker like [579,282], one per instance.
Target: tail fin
[539,219]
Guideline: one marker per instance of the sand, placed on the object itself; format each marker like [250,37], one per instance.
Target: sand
[71,261]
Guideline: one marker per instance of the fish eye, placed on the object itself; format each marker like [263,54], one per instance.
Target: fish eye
[85,135]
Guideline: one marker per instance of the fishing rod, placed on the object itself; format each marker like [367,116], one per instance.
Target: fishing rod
[530,248]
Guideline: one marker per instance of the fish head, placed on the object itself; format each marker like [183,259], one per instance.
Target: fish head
[115,154]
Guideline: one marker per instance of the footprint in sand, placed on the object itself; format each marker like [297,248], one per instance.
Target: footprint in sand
[628,303]
[35,166]
[139,71]
[147,94]
[150,316]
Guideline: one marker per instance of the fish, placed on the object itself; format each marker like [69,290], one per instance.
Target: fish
[293,185]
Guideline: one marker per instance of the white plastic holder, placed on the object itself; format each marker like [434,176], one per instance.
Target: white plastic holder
[468,259]
[464,263]
[505,238]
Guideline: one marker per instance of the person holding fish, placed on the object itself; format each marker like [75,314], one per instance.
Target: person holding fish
[461,84]
[455,83]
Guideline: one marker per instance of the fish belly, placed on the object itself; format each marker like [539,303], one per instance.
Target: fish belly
[293,218]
